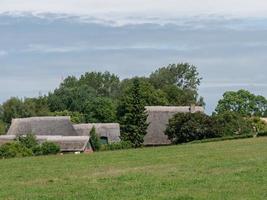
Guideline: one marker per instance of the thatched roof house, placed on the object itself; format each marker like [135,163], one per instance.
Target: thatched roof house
[42,126]
[108,131]
[61,131]
[158,118]
[54,129]
[66,143]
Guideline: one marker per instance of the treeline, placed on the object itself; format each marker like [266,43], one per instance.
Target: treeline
[100,97]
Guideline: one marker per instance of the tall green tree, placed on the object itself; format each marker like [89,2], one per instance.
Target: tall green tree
[179,82]
[134,121]
[183,75]
[244,103]
[14,108]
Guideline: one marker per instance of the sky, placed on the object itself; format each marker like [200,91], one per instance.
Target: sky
[44,41]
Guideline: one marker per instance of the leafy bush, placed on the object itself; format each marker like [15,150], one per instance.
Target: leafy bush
[258,124]
[231,123]
[27,146]
[186,127]
[14,149]
[262,134]
[116,146]
[95,140]
[37,150]
[48,148]
[29,141]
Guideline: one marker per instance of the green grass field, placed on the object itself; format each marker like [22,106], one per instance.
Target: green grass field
[220,170]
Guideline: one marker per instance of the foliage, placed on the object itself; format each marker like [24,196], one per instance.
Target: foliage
[186,127]
[70,98]
[116,146]
[100,109]
[95,140]
[76,117]
[2,128]
[133,122]
[104,84]
[183,75]
[244,103]
[258,124]
[27,146]
[48,148]
[29,107]
[29,141]
[262,134]
[14,108]
[14,149]
[231,123]
[150,95]
[99,97]
[37,106]
[178,96]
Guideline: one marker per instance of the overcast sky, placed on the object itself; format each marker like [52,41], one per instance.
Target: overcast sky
[43,41]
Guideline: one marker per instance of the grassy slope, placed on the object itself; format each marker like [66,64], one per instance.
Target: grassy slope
[220,170]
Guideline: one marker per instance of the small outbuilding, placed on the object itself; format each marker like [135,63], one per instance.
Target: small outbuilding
[158,118]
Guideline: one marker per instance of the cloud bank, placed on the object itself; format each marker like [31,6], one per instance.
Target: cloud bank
[138,11]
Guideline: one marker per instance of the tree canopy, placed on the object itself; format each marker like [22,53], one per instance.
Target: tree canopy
[99,96]
[244,103]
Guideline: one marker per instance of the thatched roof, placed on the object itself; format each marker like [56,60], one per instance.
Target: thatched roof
[6,139]
[109,130]
[42,126]
[66,143]
[158,118]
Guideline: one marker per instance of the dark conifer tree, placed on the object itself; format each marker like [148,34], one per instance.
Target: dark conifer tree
[134,122]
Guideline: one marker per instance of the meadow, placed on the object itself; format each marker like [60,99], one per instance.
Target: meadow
[234,169]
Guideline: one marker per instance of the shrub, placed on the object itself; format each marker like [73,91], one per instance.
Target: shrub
[116,146]
[48,148]
[14,149]
[95,140]
[186,127]
[262,134]
[258,125]
[231,123]
[37,150]
[29,141]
